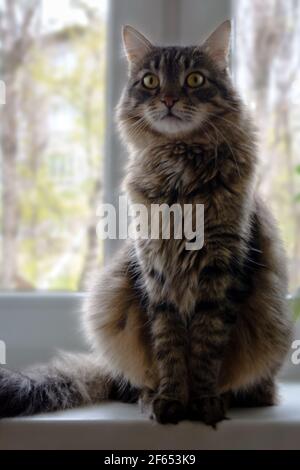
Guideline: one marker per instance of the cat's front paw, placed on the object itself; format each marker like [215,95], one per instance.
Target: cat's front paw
[168,410]
[210,410]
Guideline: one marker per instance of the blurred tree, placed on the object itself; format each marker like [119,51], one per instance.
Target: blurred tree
[18,23]
[268,74]
[80,87]
[52,154]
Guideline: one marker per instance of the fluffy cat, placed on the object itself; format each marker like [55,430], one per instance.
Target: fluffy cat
[189,332]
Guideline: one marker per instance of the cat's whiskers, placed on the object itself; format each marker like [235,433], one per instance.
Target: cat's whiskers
[227,143]
[230,123]
[215,142]
[138,127]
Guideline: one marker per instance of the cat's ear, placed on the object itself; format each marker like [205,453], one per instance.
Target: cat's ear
[135,44]
[218,44]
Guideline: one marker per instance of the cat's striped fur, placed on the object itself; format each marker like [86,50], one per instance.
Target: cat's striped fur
[191,332]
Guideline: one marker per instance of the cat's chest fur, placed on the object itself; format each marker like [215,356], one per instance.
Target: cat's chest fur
[177,173]
[173,172]
[186,173]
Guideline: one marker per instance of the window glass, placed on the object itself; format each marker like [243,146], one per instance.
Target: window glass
[52,62]
[267,66]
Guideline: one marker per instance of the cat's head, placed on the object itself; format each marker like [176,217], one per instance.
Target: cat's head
[173,91]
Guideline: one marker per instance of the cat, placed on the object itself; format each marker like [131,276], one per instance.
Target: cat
[189,333]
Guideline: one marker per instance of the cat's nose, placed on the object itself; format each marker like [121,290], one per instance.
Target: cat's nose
[169,100]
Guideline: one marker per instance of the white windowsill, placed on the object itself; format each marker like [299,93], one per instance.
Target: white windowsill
[117,426]
[34,326]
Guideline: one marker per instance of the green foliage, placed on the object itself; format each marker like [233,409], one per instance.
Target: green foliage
[58,181]
[297,197]
[295,306]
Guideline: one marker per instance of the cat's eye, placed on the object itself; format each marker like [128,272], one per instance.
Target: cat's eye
[195,80]
[151,81]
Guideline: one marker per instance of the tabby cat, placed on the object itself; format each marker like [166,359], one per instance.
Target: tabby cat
[188,332]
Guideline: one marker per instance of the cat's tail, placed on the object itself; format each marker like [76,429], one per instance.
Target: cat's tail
[71,380]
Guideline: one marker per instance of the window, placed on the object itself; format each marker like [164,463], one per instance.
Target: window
[267,60]
[53,62]
[54,127]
